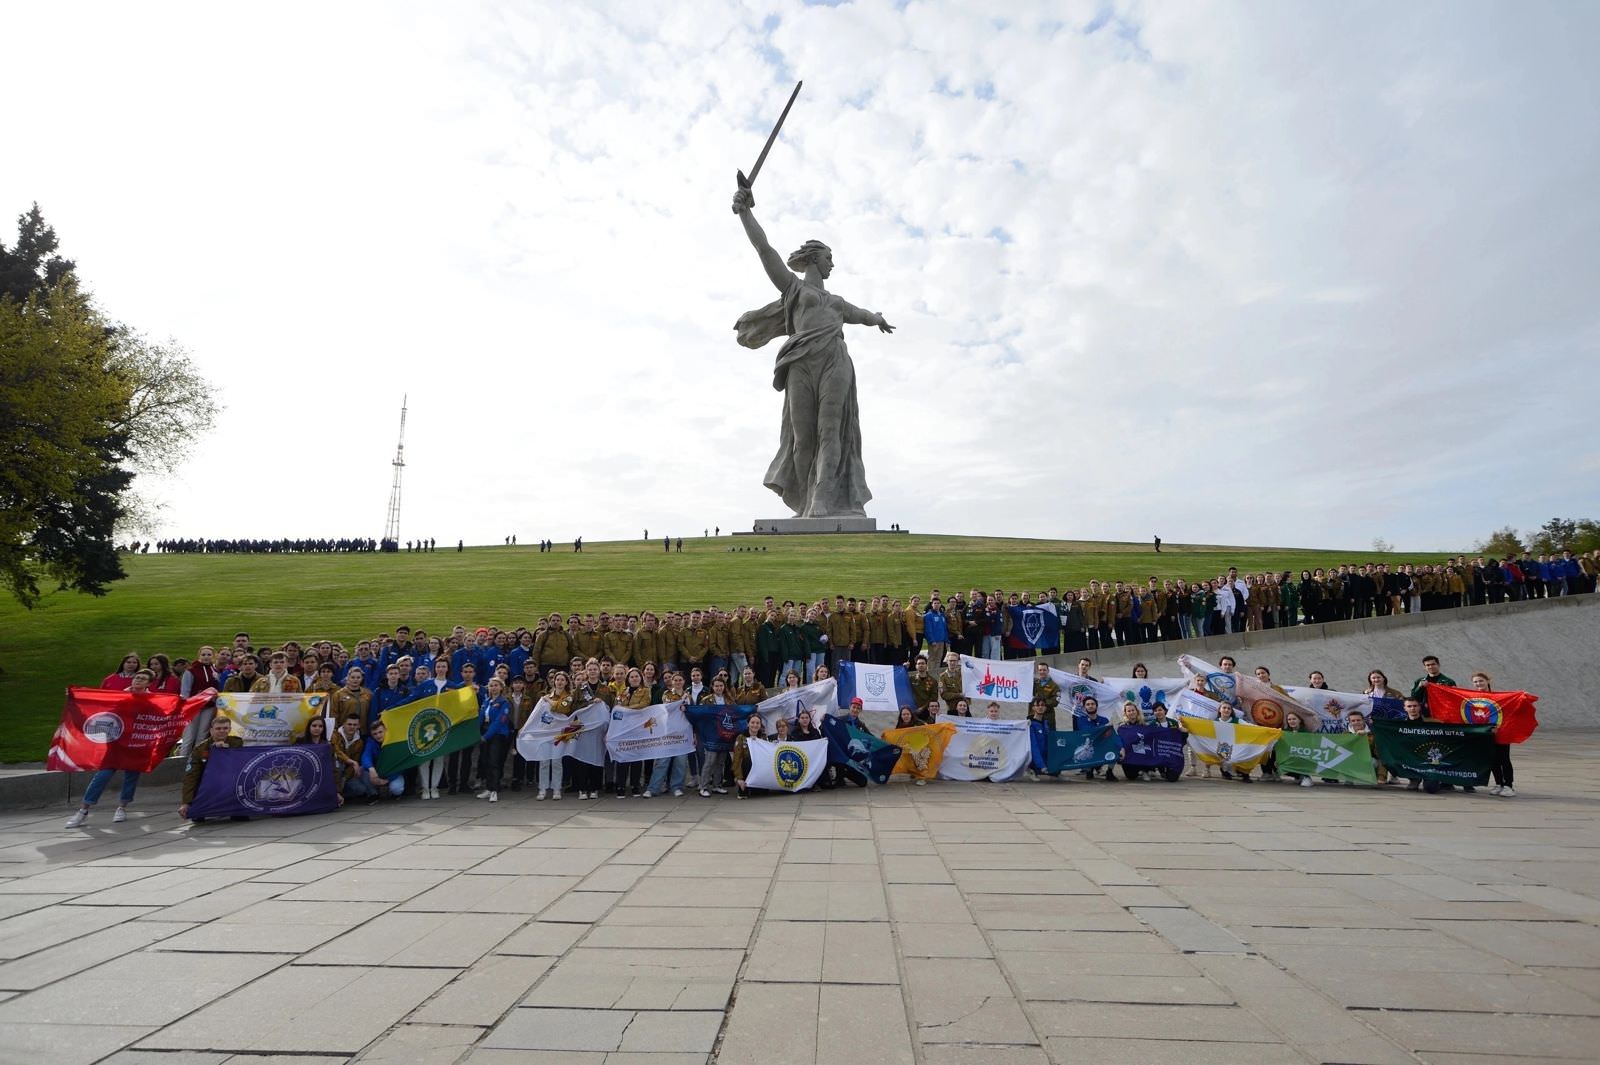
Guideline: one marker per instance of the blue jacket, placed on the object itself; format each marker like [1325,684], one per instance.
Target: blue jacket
[494,718]
[369,672]
[389,698]
[517,657]
[463,655]
[935,628]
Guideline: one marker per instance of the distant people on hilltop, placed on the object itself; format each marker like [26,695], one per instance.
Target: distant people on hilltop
[280,546]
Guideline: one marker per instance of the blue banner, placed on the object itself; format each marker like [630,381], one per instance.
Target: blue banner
[267,782]
[1086,749]
[1035,626]
[1152,747]
[855,748]
[1385,709]
[885,688]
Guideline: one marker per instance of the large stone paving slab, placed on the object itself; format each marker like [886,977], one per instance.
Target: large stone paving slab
[956,924]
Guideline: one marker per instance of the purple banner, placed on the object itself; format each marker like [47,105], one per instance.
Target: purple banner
[267,782]
[1152,747]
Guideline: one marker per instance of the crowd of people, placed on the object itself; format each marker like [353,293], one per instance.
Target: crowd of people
[318,546]
[715,657]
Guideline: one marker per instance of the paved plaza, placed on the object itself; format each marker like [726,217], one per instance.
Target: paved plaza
[958,923]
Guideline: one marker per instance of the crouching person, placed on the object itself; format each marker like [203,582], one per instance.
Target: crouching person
[377,786]
[348,744]
[218,735]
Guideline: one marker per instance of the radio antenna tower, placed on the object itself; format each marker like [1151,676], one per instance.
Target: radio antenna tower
[391,526]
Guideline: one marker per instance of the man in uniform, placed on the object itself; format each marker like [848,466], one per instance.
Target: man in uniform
[552,647]
[616,643]
[646,642]
[217,736]
[841,635]
[924,686]
[719,641]
[693,643]
[1122,615]
[1090,603]
[950,681]
[1047,691]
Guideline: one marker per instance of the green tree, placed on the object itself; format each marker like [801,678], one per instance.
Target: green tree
[85,404]
[1502,543]
[1553,537]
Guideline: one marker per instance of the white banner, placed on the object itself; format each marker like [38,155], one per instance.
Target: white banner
[1253,702]
[1112,692]
[786,766]
[991,680]
[1193,704]
[660,731]
[984,750]
[1331,706]
[264,719]
[582,735]
[817,697]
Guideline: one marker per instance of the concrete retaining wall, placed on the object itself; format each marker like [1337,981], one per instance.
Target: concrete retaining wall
[1550,647]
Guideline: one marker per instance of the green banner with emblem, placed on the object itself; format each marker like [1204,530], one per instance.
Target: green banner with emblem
[429,728]
[1345,756]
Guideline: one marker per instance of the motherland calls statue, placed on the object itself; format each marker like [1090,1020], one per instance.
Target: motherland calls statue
[818,470]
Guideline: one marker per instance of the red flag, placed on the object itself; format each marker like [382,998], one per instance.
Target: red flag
[119,730]
[1511,713]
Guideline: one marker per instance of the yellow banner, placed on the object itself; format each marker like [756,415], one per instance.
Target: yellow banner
[921,748]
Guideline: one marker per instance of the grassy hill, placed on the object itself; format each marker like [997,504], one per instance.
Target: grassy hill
[174,603]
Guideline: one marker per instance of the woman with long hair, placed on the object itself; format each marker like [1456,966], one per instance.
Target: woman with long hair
[1504,776]
[163,680]
[635,695]
[550,772]
[122,679]
[316,731]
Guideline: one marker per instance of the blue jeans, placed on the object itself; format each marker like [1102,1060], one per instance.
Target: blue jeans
[740,662]
[991,647]
[1185,625]
[679,765]
[814,661]
[102,777]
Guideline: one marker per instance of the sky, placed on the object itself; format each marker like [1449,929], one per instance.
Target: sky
[1289,274]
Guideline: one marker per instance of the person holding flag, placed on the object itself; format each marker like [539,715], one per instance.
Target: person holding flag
[138,684]
[1511,713]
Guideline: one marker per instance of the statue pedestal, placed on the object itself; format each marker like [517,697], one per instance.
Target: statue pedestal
[815,525]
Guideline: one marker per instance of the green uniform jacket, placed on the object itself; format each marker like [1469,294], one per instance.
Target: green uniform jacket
[553,647]
[197,766]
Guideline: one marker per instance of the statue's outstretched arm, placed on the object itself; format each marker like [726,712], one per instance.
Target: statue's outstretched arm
[771,261]
[854,315]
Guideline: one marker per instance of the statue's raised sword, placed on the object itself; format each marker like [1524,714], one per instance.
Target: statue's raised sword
[746,182]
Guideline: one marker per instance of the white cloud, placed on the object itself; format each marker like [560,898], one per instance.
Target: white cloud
[1286,274]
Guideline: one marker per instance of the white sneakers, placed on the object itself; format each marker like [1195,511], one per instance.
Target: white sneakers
[539,797]
[921,783]
[678,792]
[82,815]
[704,794]
[494,796]
[1307,782]
[646,794]
[485,793]
[1508,792]
[555,796]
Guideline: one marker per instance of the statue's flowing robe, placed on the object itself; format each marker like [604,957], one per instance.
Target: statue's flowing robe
[818,470]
